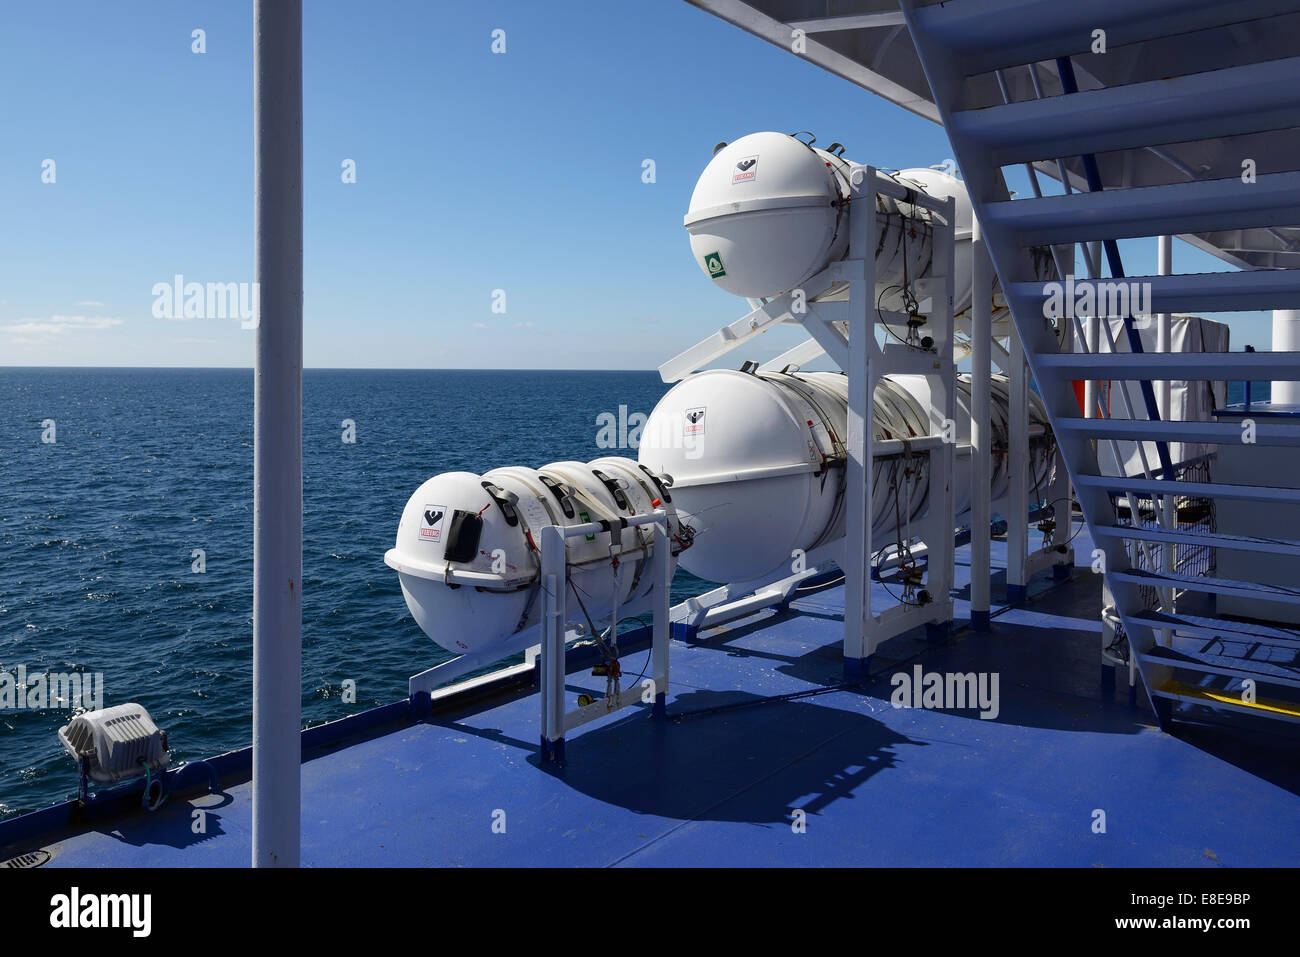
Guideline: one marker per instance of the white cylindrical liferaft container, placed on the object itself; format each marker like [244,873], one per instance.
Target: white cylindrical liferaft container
[467,551]
[758,462]
[769,212]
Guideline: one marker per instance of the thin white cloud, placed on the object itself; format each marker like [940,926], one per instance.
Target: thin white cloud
[22,331]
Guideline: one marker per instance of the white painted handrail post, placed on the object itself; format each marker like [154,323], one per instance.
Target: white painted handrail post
[554,584]
[1091,387]
[1018,471]
[857,472]
[1164,266]
[660,632]
[980,434]
[277,433]
[1164,404]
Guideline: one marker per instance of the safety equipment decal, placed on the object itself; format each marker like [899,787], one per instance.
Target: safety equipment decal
[431,523]
[694,424]
[745,171]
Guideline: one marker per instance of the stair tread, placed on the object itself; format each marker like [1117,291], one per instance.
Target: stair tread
[1225,666]
[1157,486]
[1266,433]
[1193,293]
[1275,546]
[1192,207]
[1205,583]
[1250,98]
[1220,627]
[1002,33]
[1183,692]
[1178,365]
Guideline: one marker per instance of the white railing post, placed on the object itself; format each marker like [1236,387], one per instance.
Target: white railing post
[980,435]
[661,632]
[554,584]
[1018,473]
[277,434]
[857,476]
[1164,404]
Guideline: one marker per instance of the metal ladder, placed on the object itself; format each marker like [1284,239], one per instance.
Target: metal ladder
[964,39]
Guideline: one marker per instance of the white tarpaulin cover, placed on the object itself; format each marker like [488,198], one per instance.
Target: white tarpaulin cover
[1190,401]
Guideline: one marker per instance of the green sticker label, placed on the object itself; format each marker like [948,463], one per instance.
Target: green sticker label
[587,518]
[713,263]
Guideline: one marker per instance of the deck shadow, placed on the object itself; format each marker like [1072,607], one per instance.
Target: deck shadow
[1049,675]
[751,761]
[1268,753]
[170,826]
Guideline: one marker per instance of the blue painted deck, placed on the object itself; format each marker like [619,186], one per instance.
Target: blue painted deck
[879,785]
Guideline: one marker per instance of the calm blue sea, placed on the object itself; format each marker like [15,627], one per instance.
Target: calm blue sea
[98,529]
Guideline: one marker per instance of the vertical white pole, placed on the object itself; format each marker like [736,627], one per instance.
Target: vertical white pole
[544,662]
[1018,471]
[659,637]
[1091,392]
[1164,266]
[1286,338]
[980,434]
[554,577]
[945,252]
[277,433]
[1164,398]
[862,231]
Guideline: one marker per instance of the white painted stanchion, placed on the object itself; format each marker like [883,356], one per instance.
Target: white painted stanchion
[1018,469]
[554,593]
[1164,266]
[1091,387]
[980,434]
[277,434]
[1163,389]
[661,623]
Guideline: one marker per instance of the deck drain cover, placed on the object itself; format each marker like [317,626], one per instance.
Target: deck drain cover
[34,859]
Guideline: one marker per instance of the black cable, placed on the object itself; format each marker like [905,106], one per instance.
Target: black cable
[1069,519]
[595,633]
[649,651]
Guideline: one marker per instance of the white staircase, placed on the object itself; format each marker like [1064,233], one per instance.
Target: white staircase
[1185,661]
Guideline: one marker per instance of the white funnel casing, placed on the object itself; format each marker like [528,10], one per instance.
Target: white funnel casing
[757,461]
[467,546]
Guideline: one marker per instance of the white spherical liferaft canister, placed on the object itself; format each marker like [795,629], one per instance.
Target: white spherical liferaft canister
[770,211]
[467,550]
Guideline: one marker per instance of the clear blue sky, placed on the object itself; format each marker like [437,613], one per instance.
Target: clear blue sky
[475,172]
